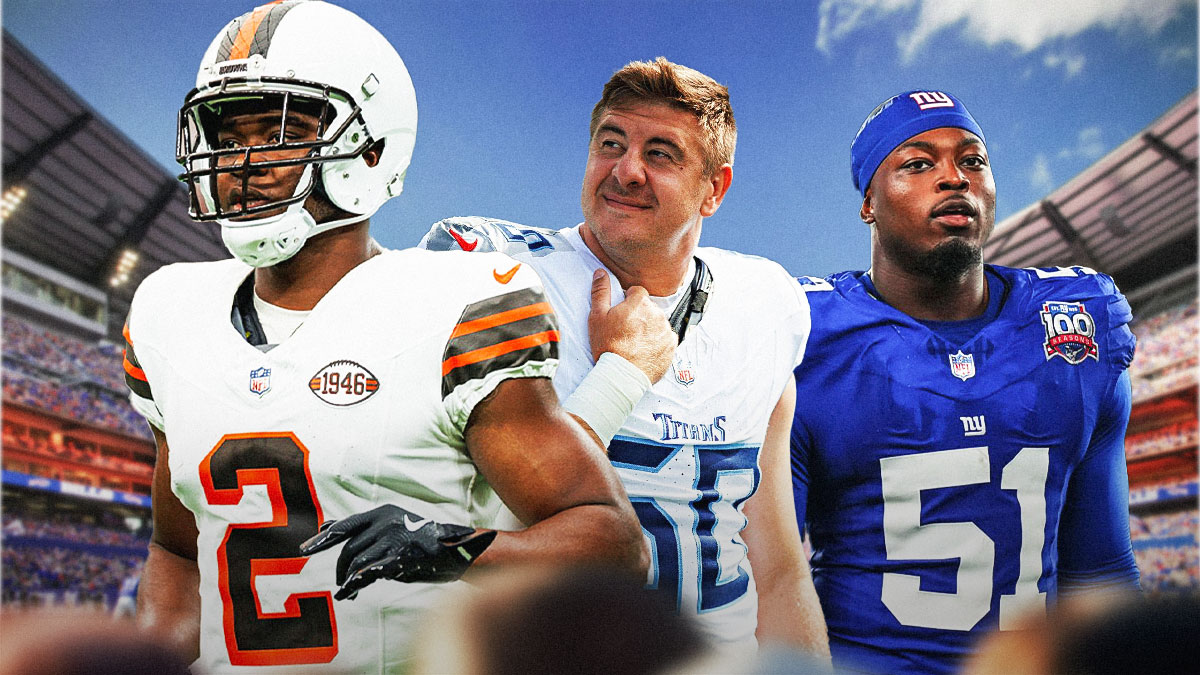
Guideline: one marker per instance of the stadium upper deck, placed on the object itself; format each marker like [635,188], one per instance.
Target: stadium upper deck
[89,194]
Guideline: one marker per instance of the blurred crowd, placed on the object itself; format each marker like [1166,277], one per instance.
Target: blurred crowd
[1144,492]
[64,528]
[67,377]
[63,560]
[1163,439]
[49,576]
[1165,544]
[1166,355]
[64,447]
[1166,337]
[99,363]
[1166,550]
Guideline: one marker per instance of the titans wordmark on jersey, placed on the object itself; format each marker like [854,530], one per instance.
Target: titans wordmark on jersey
[949,488]
[688,454]
[363,405]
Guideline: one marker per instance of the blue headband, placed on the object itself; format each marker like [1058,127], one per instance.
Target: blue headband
[898,119]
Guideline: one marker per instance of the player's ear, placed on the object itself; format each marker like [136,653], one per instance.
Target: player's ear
[719,183]
[867,211]
[372,154]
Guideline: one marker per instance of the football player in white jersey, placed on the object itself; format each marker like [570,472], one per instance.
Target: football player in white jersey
[316,378]
[704,454]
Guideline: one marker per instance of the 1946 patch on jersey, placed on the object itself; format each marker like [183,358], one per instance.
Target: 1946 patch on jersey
[343,383]
[1070,332]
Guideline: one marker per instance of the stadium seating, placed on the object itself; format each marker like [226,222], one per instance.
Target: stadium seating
[1165,544]
[1164,439]
[1166,550]
[1166,357]
[65,561]
[67,377]
[1166,337]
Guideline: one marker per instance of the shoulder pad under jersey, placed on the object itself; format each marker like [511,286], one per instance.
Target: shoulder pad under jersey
[475,233]
[1051,288]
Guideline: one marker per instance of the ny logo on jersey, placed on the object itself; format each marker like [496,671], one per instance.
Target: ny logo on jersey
[974,425]
[260,380]
[1069,332]
[931,99]
[962,365]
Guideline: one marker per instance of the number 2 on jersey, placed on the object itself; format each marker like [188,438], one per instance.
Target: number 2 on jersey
[306,630]
[907,539]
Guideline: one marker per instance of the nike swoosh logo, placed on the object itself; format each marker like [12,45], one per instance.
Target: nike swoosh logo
[413,526]
[507,276]
[462,243]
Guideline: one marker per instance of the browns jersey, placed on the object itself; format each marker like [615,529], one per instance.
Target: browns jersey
[365,404]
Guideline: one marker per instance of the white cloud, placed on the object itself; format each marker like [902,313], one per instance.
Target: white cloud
[1089,145]
[1039,174]
[839,18]
[1172,55]
[1025,24]
[1071,63]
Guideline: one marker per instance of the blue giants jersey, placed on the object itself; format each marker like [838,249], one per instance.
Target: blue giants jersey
[949,488]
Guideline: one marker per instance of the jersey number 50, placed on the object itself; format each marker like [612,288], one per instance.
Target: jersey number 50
[696,553]
[904,478]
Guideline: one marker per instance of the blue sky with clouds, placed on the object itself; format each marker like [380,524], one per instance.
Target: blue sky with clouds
[505,88]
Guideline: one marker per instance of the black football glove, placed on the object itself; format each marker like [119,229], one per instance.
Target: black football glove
[389,542]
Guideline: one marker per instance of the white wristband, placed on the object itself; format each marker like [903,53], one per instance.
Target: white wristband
[607,395]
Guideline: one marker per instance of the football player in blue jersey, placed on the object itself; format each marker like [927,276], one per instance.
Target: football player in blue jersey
[958,447]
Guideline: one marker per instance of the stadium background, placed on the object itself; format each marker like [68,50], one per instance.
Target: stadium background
[86,214]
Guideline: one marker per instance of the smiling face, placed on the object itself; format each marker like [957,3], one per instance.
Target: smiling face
[645,189]
[932,205]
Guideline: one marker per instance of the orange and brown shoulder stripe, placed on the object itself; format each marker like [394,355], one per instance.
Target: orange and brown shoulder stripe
[135,377]
[500,332]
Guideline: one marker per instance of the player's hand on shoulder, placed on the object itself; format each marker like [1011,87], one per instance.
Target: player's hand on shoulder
[390,542]
[635,329]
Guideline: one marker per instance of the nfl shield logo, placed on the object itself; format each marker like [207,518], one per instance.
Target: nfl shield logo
[685,377]
[962,365]
[260,380]
[684,371]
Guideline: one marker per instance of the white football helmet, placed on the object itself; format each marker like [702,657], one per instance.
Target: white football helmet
[298,54]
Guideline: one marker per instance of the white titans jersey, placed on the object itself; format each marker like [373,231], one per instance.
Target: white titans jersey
[688,455]
[363,405]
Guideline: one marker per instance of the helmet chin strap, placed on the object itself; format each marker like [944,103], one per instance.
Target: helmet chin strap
[272,240]
[333,224]
[269,241]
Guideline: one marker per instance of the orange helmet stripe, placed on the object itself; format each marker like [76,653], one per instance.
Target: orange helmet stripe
[245,36]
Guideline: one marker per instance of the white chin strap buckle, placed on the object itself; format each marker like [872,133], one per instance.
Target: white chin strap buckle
[268,241]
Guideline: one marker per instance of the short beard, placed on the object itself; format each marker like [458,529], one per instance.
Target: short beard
[947,262]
